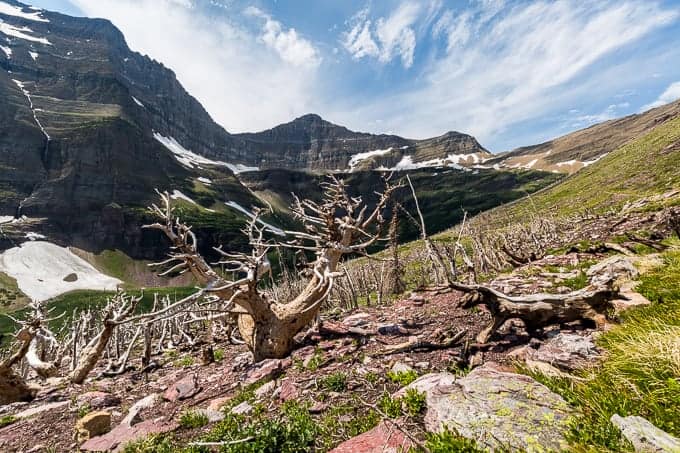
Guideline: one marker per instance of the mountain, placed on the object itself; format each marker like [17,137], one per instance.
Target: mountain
[90,128]
[312,143]
[582,148]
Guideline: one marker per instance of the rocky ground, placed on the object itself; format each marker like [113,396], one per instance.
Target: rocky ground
[349,371]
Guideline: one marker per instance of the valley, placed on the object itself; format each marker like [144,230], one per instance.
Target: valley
[167,285]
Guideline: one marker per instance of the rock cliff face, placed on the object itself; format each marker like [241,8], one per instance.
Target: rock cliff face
[89,128]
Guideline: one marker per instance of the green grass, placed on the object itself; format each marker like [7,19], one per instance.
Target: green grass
[7,420]
[641,372]
[193,419]
[450,442]
[402,378]
[638,169]
[336,382]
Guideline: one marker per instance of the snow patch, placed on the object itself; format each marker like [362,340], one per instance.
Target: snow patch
[7,51]
[592,161]
[16,32]
[177,195]
[137,102]
[33,55]
[357,158]
[31,236]
[568,162]
[192,160]
[6,219]
[238,207]
[40,267]
[406,163]
[204,180]
[23,89]
[17,11]
[531,164]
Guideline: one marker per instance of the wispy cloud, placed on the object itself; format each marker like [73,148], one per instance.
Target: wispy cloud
[248,72]
[502,66]
[287,43]
[388,38]
[670,94]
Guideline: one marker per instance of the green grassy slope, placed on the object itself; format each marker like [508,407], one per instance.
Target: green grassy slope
[646,166]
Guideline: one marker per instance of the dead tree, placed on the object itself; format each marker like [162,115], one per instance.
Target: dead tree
[117,311]
[396,270]
[539,310]
[339,225]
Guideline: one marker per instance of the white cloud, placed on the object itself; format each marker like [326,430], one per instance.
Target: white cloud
[390,37]
[671,94]
[503,67]
[219,60]
[287,43]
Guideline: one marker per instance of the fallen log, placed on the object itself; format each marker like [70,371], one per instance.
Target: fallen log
[416,344]
[539,310]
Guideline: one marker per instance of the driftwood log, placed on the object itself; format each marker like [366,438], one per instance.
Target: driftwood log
[539,310]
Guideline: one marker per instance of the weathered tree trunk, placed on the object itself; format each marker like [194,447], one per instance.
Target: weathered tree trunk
[13,387]
[91,354]
[539,310]
[42,368]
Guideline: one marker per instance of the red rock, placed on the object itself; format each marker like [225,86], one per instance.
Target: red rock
[288,391]
[384,438]
[182,389]
[98,400]
[267,369]
[116,439]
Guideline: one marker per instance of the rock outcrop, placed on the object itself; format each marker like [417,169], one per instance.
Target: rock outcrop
[495,408]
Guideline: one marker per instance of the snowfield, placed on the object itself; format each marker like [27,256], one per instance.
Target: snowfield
[192,160]
[17,11]
[20,33]
[40,267]
[357,158]
[277,231]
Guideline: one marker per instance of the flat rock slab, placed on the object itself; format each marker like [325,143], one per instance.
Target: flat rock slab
[498,409]
[40,409]
[116,439]
[266,369]
[567,351]
[384,438]
[97,400]
[183,389]
[645,437]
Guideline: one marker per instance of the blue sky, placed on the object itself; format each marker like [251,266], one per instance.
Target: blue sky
[512,73]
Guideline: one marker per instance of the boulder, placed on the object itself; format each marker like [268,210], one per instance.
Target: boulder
[183,389]
[242,408]
[132,416]
[213,415]
[566,351]
[645,437]
[384,438]
[116,439]
[288,390]
[93,424]
[620,267]
[266,369]
[97,400]
[497,409]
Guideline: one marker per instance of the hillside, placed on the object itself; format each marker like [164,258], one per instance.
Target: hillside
[582,148]
[645,167]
